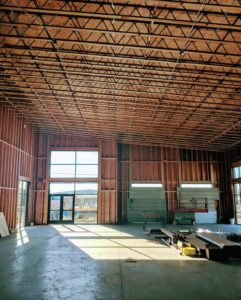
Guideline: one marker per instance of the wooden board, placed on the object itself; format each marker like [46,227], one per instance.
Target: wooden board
[3,226]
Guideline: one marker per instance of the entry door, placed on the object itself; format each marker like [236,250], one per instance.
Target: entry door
[22,212]
[61,209]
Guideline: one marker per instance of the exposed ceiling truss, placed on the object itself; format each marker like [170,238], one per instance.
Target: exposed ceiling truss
[145,72]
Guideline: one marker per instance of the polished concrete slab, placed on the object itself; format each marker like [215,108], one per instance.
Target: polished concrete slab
[109,262]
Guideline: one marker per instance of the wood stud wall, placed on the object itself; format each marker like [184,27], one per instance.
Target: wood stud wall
[108,182]
[131,87]
[107,173]
[41,186]
[232,158]
[16,160]
[45,143]
[119,165]
[123,180]
[172,166]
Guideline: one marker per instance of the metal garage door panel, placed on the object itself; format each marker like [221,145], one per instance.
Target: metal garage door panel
[146,204]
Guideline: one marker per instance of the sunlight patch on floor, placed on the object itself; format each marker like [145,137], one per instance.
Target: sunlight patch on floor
[107,250]
[114,254]
[95,243]
[105,243]
[138,243]
[165,253]
[76,228]
[114,234]
[89,231]
[60,228]
[22,237]
[101,229]
[78,234]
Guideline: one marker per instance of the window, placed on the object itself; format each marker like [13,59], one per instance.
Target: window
[83,208]
[86,202]
[147,185]
[237,193]
[62,171]
[61,188]
[74,164]
[63,157]
[196,185]
[87,171]
[87,157]
[84,188]
[71,197]
[237,172]
[237,185]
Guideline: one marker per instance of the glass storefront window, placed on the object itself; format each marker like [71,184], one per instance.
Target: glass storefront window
[74,164]
[61,188]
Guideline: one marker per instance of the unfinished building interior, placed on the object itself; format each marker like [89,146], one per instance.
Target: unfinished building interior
[117,117]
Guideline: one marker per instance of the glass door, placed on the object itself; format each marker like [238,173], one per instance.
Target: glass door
[23,194]
[61,208]
[67,208]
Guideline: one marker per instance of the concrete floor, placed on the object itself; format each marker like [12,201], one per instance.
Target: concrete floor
[88,262]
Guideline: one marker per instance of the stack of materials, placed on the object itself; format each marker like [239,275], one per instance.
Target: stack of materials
[225,247]
[203,244]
